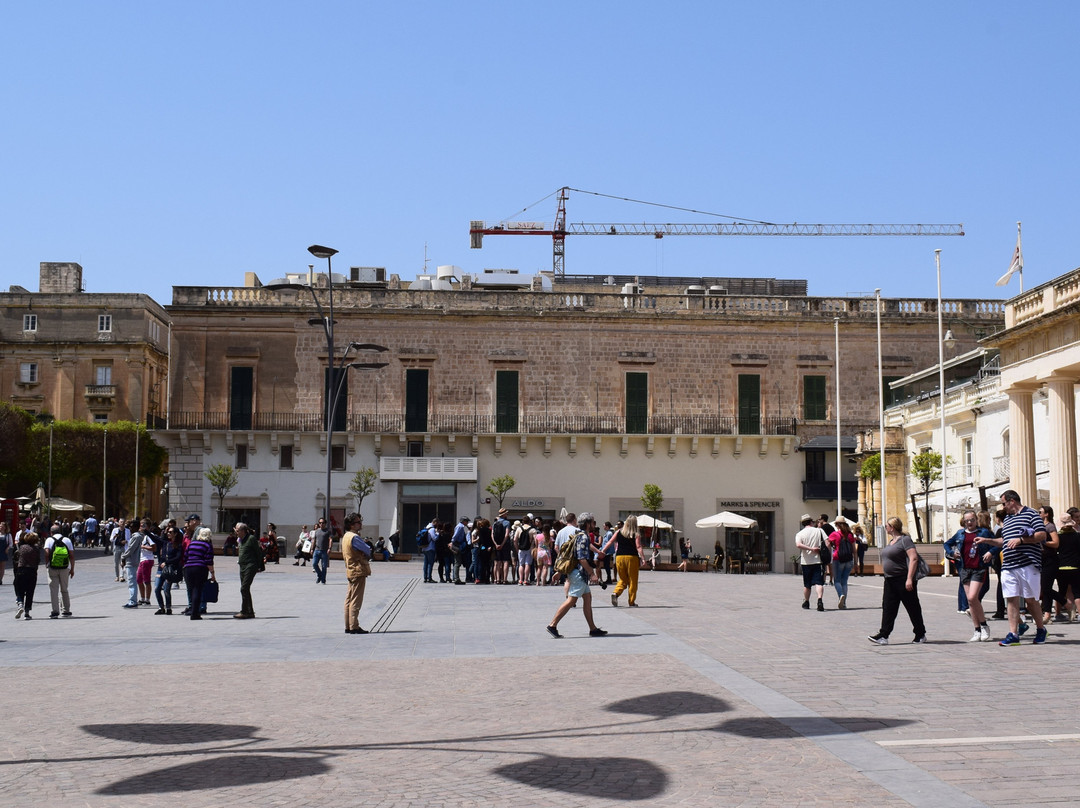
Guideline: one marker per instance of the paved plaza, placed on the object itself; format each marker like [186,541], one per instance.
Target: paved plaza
[718,691]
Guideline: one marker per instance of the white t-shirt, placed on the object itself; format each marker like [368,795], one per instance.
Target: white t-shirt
[146,552]
[564,535]
[812,537]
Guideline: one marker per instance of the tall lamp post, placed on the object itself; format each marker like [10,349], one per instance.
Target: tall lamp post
[337,371]
[944,340]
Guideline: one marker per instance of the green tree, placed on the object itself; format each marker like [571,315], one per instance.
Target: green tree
[871,470]
[14,432]
[363,483]
[926,468]
[500,486]
[652,500]
[224,479]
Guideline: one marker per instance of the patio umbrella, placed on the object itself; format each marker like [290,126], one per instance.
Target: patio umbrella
[644,520]
[726,519]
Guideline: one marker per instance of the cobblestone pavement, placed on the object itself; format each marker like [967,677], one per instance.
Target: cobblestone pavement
[718,691]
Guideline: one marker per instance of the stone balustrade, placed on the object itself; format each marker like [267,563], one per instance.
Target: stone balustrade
[603,302]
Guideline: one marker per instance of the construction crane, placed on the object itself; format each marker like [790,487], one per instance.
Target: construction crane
[743,227]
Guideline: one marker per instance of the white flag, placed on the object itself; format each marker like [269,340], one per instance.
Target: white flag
[1017,264]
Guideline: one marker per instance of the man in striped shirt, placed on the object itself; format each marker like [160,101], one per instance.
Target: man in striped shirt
[1022,537]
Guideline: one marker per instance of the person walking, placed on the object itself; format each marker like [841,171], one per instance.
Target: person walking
[844,546]
[900,562]
[320,557]
[60,560]
[303,548]
[357,554]
[119,537]
[629,556]
[973,556]
[579,579]
[1022,536]
[808,541]
[25,569]
[198,566]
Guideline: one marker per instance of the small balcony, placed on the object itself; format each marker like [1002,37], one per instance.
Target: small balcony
[101,393]
[826,490]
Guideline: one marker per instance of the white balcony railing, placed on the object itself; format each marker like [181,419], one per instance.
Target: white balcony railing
[446,469]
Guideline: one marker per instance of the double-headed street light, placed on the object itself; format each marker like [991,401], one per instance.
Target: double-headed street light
[337,371]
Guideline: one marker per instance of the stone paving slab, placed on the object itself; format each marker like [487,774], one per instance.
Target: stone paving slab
[719,690]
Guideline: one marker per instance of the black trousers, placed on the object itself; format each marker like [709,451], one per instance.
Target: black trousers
[25,584]
[195,580]
[894,594]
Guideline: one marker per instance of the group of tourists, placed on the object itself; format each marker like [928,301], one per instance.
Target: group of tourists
[1037,561]
[518,553]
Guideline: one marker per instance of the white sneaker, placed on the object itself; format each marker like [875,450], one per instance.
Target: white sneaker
[984,634]
[976,637]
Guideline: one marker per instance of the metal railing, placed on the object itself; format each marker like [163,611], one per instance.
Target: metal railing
[461,423]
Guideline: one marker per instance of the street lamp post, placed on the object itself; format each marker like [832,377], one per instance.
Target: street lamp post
[336,372]
[880,532]
[944,340]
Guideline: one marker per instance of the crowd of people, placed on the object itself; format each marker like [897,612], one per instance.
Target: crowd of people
[523,552]
[1036,560]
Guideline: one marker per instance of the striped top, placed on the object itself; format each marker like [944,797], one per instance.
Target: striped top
[199,554]
[1024,523]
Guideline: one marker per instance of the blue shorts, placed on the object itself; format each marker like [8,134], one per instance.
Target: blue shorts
[578,585]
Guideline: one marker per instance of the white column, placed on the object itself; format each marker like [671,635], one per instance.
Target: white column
[1064,488]
[1021,444]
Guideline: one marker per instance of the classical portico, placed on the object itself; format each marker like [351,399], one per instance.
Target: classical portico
[1040,356]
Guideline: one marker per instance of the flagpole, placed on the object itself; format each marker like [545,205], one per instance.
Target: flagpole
[1021,252]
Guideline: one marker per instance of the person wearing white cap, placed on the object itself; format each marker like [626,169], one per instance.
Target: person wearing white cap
[808,541]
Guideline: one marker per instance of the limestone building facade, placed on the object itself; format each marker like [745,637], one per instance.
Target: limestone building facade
[82,356]
[582,389]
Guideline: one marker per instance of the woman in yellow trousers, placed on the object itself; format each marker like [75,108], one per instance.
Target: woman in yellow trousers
[628,559]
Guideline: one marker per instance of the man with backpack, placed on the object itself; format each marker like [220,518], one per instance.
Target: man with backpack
[573,562]
[60,560]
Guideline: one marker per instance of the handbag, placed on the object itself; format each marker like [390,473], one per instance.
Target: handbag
[172,573]
[306,547]
[210,592]
[922,570]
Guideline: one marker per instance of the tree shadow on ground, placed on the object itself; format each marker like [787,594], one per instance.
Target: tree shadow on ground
[219,772]
[626,779]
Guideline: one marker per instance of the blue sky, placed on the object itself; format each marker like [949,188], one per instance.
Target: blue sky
[184,143]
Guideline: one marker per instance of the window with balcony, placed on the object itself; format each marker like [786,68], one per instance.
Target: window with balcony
[814,400]
[637,403]
[29,322]
[285,457]
[104,323]
[506,401]
[241,395]
[337,385]
[749,404]
[102,375]
[416,400]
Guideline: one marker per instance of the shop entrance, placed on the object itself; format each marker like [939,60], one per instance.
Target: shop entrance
[420,503]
